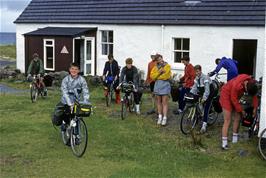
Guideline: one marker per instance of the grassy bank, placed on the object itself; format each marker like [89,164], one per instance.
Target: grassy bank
[134,147]
[8,52]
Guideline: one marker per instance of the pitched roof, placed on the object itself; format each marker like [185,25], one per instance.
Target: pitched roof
[59,31]
[166,12]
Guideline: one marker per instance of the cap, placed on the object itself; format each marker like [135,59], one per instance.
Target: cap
[153,53]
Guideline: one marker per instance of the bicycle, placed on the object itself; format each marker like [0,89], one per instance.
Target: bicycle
[215,108]
[109,95]
[250,122]
[36,88]
[127,102]
[75,134]
[193,113]
[262,144]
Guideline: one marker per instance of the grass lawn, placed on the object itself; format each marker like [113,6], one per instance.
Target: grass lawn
[134,147]
[8,52]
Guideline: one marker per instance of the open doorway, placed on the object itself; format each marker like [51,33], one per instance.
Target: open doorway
[84,54]
[79,53]
[244,51]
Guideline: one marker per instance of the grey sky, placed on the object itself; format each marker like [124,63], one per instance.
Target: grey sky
[9,11]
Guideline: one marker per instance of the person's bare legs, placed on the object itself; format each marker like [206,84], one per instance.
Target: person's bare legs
[160,109]
[236,127]
[165,105]
[227,119]
[165,109]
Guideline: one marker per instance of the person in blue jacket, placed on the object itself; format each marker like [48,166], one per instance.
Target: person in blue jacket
[229,64]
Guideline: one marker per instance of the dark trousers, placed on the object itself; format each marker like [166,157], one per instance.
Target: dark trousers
[137,97]
[61,113]
[181,101]
[206,109]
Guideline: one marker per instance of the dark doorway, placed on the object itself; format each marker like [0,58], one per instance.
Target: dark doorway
[79,53]
[244,51]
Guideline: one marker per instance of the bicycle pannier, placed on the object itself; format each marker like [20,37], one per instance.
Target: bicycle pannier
[83,110]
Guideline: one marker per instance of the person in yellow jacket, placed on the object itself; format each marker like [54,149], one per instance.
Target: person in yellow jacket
[161,74]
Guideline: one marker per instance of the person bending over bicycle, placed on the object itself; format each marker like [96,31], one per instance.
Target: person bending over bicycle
[231,92]
[71,85]
[111,74]
[202,87]
[129,73]
[36,68]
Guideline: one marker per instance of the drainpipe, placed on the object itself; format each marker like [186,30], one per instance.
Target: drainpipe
[162,39]
[263,101]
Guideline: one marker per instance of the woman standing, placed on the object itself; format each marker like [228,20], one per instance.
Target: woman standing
[161,73]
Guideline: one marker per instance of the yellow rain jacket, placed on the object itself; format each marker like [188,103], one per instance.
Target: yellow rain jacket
[155,72]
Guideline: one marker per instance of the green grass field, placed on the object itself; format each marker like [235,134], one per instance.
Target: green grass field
[8,52]
[134,147]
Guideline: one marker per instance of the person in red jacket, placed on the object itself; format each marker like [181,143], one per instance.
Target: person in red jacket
[231,92]
[188,82]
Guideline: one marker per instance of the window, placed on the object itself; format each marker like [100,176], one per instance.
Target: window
[49,58]
[181,48]
[107,42]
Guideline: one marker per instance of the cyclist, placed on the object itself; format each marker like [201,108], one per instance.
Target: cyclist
[36,68]
[188,80]
[72,85]
[111,74]
[129,73]
[231,92]
[161,73]
[202,87]
[229,64]
[151,82]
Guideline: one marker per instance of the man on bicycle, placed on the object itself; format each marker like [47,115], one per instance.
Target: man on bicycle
[129,73]
[36,68]
[229,64]
[202,87]
[111,74]
[72,85]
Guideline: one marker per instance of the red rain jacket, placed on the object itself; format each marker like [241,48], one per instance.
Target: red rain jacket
[235,88]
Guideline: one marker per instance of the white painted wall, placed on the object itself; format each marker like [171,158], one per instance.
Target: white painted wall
[263,97]
[206,43]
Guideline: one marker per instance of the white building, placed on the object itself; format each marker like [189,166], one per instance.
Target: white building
[203,29]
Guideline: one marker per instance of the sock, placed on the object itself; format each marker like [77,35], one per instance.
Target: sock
[224,141]
[164,118]
[204,124]
[235,138]
[137,107]
[160,116]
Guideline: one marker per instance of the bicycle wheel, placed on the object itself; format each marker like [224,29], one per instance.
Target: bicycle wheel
[124,104]
[212,115]
[33,93]
[188,120]
[79,138]
[262,144]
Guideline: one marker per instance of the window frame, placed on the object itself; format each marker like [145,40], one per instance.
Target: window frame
[182,51]
[44,53]
[107,43]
